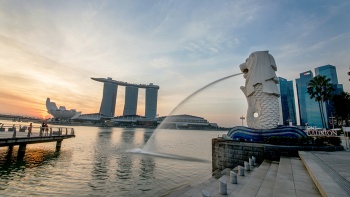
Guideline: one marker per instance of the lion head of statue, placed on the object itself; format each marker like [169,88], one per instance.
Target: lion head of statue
[260,67]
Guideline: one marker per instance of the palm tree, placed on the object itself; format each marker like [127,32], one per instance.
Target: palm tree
[320,89]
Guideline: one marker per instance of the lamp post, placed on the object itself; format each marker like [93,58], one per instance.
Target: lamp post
[332,118]
[242,118]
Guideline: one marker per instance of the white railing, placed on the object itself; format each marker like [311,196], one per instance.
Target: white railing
[16,130]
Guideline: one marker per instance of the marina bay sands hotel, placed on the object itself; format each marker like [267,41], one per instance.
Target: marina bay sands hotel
[109,98]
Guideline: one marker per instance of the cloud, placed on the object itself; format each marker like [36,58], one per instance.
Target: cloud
[53,48]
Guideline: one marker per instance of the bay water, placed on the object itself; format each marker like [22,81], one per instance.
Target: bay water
[109,161]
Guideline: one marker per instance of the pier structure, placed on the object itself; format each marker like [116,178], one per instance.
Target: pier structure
[110,89]
[12,135]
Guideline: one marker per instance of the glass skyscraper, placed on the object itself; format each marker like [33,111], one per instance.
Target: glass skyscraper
[287,101]
[330,71]
[309,111]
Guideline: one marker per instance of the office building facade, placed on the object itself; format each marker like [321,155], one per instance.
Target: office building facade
[309,111]
[287,101]
[330,72]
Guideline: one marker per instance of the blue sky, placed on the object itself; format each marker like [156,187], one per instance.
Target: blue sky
[52,48]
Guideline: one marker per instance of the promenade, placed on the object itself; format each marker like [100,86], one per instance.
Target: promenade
[313,173]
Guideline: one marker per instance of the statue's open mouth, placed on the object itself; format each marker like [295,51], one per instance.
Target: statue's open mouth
[245,71]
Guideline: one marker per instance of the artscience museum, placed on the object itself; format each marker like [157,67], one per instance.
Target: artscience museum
[61,112]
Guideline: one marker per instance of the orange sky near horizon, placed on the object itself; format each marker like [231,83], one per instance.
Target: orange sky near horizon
[51,49]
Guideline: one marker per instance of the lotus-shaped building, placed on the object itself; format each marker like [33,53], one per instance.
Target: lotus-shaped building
[60,112]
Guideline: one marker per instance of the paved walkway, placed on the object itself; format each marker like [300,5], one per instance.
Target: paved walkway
[329,170]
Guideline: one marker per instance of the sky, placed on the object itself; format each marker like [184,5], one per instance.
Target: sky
[51,49]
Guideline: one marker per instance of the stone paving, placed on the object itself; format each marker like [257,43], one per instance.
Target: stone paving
[329,170]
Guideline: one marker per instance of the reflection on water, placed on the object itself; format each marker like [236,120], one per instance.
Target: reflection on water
[33,158]
[97,163]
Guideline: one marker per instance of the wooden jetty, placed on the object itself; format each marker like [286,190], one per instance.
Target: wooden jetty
[12,135]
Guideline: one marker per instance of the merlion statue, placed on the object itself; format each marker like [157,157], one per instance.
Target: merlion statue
[261,90]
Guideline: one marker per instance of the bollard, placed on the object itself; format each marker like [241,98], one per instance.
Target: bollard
[240,171]
[251,162]
[205,193]
[233,177]
[246,166]
[254,160]
[223,187]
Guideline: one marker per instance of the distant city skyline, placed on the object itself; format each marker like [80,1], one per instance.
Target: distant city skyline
[51,49]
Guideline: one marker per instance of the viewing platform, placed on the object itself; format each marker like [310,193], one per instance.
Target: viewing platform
[12,135]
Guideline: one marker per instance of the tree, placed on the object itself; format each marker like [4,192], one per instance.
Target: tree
[341,104]
[320,89]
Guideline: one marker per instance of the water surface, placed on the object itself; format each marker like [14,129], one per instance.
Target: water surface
[109,162]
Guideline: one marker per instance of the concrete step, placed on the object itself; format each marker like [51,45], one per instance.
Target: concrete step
[293,179]
[253,184]
[212,185]
[330,171]
[268,184]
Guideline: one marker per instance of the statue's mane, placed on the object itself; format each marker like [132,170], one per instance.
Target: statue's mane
[262,69]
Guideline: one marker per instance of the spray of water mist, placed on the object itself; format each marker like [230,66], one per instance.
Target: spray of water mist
[146,149]
[200,90]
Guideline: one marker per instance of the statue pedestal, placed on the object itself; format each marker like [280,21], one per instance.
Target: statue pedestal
[247,134]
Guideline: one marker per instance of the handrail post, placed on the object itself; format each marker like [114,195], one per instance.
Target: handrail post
[66,131]
[50,131]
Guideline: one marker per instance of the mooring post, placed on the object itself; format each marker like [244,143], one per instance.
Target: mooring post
[21,150]
[58,145]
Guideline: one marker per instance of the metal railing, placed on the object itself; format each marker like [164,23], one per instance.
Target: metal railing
[23,131]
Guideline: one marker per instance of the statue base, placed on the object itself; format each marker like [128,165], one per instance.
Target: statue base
[241,133]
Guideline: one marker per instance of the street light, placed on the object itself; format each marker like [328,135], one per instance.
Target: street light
[242,118]
[332,119]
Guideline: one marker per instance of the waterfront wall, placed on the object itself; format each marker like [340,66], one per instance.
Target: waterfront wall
[229,153]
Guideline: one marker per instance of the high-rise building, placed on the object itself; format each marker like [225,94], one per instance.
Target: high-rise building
[131,95]
[287,101]
[108,99]
[130,106]
[309,111]
[151,102]
[330,71]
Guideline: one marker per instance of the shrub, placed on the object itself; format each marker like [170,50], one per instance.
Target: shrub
[320,141]
[317,141]
[335,141]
